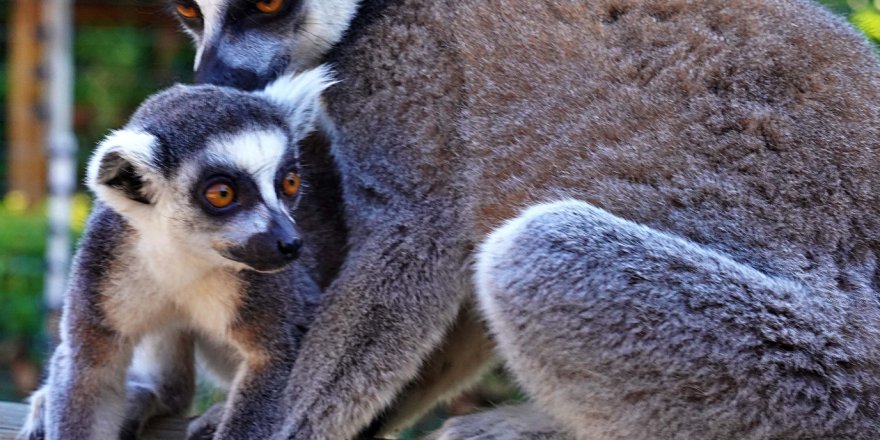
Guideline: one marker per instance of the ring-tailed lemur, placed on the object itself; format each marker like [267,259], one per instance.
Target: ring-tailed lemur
[187,252]
[692,189]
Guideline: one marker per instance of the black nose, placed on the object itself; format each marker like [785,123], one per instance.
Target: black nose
[290,249]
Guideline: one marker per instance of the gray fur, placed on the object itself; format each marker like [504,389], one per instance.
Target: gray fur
[154,276]
[522,422]
[716,276]
[170,117]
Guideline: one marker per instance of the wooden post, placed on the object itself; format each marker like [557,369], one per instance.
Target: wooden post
[61,145]
[27,159]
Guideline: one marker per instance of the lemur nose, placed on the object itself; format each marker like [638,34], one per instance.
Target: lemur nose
[290,249]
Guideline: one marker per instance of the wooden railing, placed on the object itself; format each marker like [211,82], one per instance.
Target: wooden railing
[12,417]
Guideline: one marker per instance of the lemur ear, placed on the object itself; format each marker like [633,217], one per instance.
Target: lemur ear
[120,164]
[300,95]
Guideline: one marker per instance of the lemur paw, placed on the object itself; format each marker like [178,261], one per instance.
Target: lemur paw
[204,426]
[34,426]
[295,431]
[506,423]
[140,403]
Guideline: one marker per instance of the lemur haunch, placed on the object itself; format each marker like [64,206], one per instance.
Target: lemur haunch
[187,253]
[666,210]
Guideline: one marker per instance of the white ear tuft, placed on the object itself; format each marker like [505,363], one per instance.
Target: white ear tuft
[119,162]
[300,95]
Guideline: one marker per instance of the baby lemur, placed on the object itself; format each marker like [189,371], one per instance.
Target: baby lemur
[187,254]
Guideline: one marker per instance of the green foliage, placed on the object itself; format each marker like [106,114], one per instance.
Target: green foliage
[109,66]
[22,245]
[22,248]
[868,20]
[864,14]
[22,267]
[116,69]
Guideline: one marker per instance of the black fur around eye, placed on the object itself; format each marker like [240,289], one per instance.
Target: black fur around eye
[270,6]
[219,195]
[188,12]
[290,184]
[220,183]
[261,13]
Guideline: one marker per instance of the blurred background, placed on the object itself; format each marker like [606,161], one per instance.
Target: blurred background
[122,51]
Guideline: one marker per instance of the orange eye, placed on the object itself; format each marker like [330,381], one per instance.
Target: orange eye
[187,11]
[269,6]
[220,195]
[290,184]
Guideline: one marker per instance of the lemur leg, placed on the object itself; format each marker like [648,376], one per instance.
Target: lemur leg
[466,353]
[34,425]
[221,363]
[521,422]
[205,425]
[161,380]
[252,408]
[85,401]
[624,332]
[85,396]
[268,335]
[385,313]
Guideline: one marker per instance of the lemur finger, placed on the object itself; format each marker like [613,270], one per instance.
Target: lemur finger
[204,426]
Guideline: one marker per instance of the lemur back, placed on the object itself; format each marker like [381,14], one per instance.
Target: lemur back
[188,252]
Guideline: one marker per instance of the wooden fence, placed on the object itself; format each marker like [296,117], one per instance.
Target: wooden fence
[12,416]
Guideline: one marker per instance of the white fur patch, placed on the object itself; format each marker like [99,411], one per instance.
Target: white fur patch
[258,153]
[212,15]
[155,355]
[326,21]
[134,146]
[300,95]
[291,90]
[163,285]
[34,420]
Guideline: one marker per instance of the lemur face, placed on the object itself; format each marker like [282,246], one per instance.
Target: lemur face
[212,171]
[248,43]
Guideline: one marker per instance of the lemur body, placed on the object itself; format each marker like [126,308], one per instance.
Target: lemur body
[666,211]
[188,251]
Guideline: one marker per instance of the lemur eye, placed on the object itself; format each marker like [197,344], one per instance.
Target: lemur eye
[220,195]
[269,6]
[290,184]
[187,11]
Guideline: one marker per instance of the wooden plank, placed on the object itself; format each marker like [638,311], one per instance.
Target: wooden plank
[12,417]
[27,158]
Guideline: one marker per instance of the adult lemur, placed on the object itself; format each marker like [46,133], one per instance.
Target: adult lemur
[188,249]
[666,209]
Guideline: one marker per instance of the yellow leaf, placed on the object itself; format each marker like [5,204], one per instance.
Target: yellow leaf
[868,20]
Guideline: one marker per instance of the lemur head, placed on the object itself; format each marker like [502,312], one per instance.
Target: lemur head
[248,43]
[213,171]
